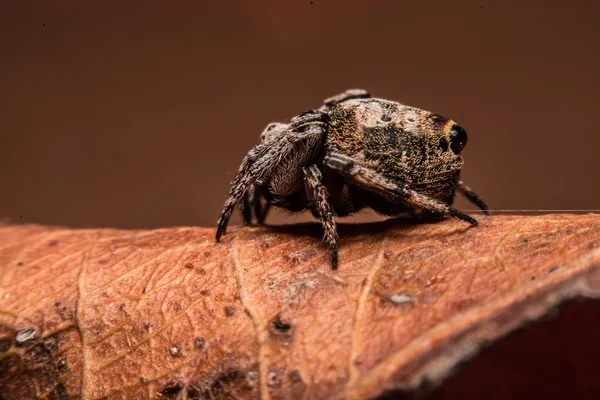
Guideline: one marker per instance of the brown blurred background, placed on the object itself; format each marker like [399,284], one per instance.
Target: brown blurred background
[115,114]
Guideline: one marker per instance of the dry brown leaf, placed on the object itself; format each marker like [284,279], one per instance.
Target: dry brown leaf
[170,313]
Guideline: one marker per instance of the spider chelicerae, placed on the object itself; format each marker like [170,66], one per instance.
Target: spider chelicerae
[353,152]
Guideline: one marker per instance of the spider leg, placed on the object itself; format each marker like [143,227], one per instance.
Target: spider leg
[253,198]
[261,210]
[472,197]
[239,186]
[246,206]
[347,95]
[364,177]
[261,162]
[318,198]
[431,204]
[389,189]
[252,202]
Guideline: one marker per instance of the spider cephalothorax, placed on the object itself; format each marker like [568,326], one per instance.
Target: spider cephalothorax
[353,152]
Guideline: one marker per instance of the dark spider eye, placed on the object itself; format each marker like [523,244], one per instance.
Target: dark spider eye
[443,144]
[458,139]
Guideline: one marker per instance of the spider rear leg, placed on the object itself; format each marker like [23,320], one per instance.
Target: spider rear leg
[318,198]
[431,204]
[372,180]
[472,197]
[363,176]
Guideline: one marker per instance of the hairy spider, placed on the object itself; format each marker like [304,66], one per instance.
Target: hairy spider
[355,151]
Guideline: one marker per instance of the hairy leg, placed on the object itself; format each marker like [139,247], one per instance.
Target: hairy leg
[240,184]
[392,191]
[318,197]
[430,204]
[349,94]
[252,199]
[472,197]
[262,160]
[246,206]
[260,210]
[252,206]
[364,177]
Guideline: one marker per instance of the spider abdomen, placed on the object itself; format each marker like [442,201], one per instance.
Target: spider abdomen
[399,141]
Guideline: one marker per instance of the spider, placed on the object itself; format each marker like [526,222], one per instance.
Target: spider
[353,152]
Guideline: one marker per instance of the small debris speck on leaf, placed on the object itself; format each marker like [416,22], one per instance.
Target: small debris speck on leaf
[175,351]
[229,311]
[62,365]
[401,299]
[26,335]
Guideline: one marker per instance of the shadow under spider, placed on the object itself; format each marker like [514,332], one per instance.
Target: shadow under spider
[398,226]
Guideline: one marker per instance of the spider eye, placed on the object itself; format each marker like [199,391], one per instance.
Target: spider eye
[443,145]
[458,139]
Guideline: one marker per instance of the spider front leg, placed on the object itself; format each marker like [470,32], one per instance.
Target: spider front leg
[261,210]
[319,203]
[349,94]
[252,202]
[252,197]
[264,159]
[246,205]
[239,186]
[371,180]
